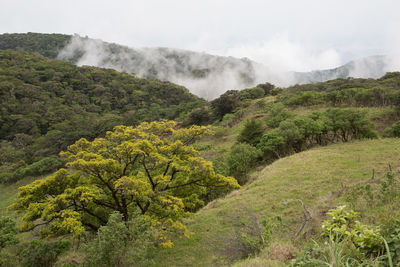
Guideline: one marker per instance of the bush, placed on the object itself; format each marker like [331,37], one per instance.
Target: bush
[272,145]
[348,124]
[227,120]
[343,225]
[277,114]
[242,158]
[393,240]
[43,253]
[8,232]
[394,130]
[267,87]
[119,243]
[43,166]
[251,93]
[251,133]
[225,104]
[199,116]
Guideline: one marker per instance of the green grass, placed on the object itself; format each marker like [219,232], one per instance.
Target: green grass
[8,193]
[315,176]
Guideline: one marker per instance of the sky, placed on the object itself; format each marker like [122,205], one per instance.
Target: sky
[298,35]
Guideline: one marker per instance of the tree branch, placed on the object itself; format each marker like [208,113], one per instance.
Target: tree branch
[129,163]
[307,217]
[153,185]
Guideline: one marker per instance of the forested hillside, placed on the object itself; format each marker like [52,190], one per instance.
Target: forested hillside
[48,104]
[205,75]
[48,45]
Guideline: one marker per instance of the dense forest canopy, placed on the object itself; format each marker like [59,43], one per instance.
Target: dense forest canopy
[48,104]
[48,45]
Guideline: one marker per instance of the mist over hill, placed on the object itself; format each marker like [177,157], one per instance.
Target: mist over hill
[205,75]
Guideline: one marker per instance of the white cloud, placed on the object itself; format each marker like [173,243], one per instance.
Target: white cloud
[281,54]
[393,45]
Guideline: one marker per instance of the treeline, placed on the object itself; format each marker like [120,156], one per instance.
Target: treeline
[347,92]
[46,105]
[295,134]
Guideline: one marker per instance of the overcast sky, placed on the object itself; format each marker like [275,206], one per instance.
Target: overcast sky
[296,35]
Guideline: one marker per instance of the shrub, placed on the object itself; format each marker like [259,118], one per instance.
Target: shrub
[271,144]
[277,114]
[394,130]
[343,225]
[8,232]
[348,124]
[267,87]
[43,166]
[227,120]
[393,241]
[242,158]
[251,133]
[119,243]
[225,104]
[251,93]
[44,253]
[261,104]
[199,116]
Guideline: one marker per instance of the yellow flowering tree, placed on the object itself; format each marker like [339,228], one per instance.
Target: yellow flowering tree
[151,169]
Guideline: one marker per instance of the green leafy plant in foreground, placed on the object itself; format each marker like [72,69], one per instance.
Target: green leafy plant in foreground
[343,224]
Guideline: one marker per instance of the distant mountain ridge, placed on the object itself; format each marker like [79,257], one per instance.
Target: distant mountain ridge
[205,75]
[367,67]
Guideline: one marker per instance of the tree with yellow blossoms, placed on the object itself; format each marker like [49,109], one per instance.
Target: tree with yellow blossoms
[151,169]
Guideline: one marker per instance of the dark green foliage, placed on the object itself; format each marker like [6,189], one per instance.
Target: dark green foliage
[226,103]
[272,145]
[8,232]
[348,92]
[199,116]
[251,93]
[43,166]
[393,131]
[230,119]
[267,87]
[47,45]
[276,114]
[251,133]
[242,158]
[46,105]
[307,98]
[43,253]
[349,124]
[319,128]
[393,240]
[120,243]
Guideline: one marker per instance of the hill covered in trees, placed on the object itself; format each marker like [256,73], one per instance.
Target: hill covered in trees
[48,104]
[205,75]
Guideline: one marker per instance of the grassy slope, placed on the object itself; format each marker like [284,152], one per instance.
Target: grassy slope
[315,176]
[8,193]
